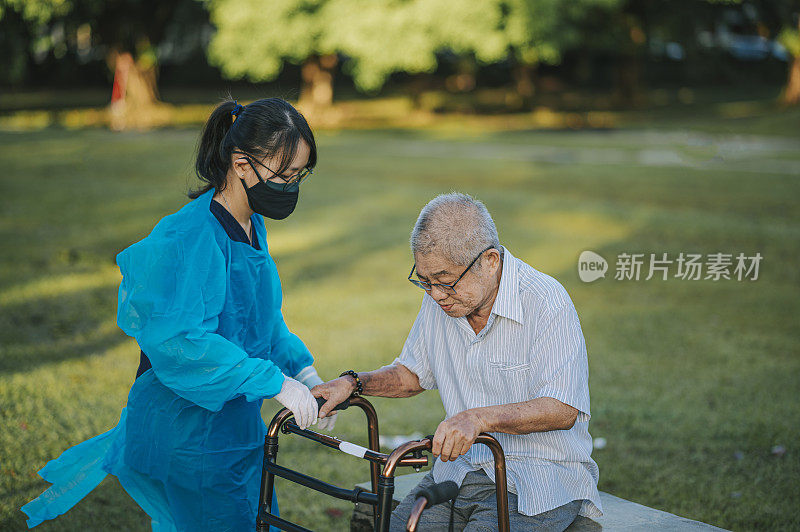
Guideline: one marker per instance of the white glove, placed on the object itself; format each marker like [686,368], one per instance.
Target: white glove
[308,376]
[296,397]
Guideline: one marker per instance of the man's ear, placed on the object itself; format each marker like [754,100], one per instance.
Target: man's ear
[493,256]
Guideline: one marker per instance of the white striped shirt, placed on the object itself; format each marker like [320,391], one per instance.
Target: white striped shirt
[532,346]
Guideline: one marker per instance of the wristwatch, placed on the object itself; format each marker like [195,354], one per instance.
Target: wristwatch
[359,385]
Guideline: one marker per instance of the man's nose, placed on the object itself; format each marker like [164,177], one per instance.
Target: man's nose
[438,294]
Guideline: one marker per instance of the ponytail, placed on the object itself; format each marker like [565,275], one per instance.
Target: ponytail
[212,162]
[266,127]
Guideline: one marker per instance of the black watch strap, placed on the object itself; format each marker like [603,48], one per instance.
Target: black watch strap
[359,385]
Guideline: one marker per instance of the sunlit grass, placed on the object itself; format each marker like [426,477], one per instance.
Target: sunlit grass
[59,286]
[683,374]
[750,110]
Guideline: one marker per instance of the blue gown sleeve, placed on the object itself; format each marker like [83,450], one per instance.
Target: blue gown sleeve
[172,292]
[288,350]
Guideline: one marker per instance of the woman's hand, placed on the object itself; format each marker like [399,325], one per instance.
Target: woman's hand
[328,422]
[310,378]
[297,397]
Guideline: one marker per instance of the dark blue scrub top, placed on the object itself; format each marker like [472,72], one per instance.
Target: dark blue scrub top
[235,232]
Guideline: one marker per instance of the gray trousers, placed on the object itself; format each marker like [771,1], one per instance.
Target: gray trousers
[476,510]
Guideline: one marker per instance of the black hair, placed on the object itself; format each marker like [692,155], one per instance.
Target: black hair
[264,128]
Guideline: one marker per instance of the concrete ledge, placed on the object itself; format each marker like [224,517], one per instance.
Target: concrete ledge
[619,514]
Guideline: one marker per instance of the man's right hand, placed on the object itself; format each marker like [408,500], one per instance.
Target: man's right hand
[335,392]
[296,396]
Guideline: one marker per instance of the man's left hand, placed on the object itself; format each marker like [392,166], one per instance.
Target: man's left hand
[456,435]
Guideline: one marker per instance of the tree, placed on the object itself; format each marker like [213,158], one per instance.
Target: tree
[131,32]
[630,30]
[780,20]
[376,38]
[621,29]
[23,27]
[127,32]
[540,31]
[790,39]
[253,39]
[777,20]
[386,37]
[383,37]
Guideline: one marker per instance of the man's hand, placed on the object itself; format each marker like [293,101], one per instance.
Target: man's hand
[456,435]
[335,391]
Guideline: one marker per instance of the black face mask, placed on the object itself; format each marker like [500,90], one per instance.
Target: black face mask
[271,200]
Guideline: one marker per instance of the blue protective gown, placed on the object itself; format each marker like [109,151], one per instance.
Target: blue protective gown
[188,448]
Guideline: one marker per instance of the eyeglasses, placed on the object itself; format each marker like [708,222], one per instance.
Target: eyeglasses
[446,288]
[288,182]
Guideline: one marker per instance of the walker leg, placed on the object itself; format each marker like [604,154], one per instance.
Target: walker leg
[267,481]
[384,508]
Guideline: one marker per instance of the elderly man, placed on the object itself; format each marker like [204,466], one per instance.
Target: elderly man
[502,343]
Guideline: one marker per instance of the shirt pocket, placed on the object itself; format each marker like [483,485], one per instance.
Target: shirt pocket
[510,381]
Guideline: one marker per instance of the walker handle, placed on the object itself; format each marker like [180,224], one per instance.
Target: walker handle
[439,493]
[341,406]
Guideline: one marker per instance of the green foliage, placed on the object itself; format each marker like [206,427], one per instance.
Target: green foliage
[385,36]
[23,26]
[540,30]
[66,28]
[390,36]
[790,39]
[253,38]
[37,12]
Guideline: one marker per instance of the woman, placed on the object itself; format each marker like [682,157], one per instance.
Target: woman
[202,298]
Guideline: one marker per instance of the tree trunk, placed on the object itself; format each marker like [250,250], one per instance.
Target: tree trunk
[628,67]
[418,85]
[523,74]
[791,96]
[628,78]
[134,96]
[583,69]
[316,92]
[464,78]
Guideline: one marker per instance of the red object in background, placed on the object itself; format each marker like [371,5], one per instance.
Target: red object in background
[121,68]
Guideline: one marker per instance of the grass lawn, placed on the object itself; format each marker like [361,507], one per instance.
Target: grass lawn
[692,382]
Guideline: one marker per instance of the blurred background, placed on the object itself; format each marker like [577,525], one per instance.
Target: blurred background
[615,126]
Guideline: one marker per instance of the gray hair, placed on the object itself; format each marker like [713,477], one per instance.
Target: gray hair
[455,225]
